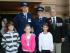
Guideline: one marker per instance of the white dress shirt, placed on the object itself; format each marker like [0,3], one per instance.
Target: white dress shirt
[25,14]
[45,41]
[40,17]
[53,18]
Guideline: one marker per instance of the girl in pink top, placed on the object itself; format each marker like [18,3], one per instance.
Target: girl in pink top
[28,40]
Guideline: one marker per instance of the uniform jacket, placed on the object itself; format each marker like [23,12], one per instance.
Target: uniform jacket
[20,22]
[38,25]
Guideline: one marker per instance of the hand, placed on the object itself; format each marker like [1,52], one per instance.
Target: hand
[63,39]
[7,48]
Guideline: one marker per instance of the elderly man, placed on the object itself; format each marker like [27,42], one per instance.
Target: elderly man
[56,28]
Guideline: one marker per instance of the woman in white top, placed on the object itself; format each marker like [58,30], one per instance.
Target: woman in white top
[45,40]
[3,23]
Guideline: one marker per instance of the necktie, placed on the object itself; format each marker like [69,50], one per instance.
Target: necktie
[40,19]
[25,17]
[54,20]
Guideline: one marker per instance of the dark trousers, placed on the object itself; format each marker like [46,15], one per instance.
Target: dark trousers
[45,51]
[20,49]
[37,45]
[65,48]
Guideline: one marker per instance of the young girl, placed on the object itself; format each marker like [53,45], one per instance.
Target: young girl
[10,40]
[45,40]
[28,40]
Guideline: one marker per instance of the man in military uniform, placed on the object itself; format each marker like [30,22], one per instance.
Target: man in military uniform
[23,18]
[38,22]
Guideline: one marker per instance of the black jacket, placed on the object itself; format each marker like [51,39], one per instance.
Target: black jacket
[58,32]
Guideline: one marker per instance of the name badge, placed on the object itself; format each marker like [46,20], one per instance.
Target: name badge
[29,20]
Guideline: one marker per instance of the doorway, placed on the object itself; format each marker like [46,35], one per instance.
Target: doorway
[10,9]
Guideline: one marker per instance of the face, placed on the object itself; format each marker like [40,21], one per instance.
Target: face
[25,9]
[27,29]
[48,15]
[10,28]
[40,13]
[53,13]
[45,28]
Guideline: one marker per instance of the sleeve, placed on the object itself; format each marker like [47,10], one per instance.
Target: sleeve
[33,44]
[61,32]
[15,20]
[51,42]
[62,29]
[40,43]
[33,25]
[4,42]
[24,45]
[18,38]
[32,22]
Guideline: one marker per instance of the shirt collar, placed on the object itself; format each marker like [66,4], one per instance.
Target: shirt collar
[25,13]
[54,17]
[40,17]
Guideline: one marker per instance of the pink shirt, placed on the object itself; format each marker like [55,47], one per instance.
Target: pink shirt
[24,42]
